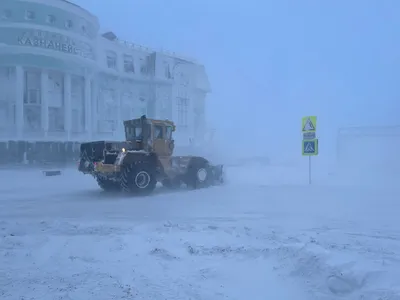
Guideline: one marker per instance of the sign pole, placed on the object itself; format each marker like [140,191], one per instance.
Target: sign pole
[309,170]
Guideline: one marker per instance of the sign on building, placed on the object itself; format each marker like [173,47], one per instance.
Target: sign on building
[46,40]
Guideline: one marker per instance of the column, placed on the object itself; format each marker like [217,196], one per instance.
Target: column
[170,104]
[120,124]
[174,106]
[190,119]
[44,92]
[67,105]
[95,93]
[203,122]
[88,106]
[152,106]
[19,100]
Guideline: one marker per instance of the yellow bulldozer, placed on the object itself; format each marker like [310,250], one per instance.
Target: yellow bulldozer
[145,158]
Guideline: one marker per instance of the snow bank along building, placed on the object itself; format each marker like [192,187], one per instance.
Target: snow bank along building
[63,80]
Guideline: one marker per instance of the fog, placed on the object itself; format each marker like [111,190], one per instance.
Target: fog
[272,62]
[79,222]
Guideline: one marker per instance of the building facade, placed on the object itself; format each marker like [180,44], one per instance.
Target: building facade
[61,79]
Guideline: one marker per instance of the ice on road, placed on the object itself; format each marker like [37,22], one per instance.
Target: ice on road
[264,235]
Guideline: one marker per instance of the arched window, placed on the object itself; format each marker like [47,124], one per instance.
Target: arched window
[111,60]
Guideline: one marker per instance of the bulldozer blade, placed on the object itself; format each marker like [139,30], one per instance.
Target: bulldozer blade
[218,173]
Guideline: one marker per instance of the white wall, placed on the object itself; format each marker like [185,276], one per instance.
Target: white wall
[117,94]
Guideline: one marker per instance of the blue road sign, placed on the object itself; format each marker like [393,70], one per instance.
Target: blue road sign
[309,135]
[310,147]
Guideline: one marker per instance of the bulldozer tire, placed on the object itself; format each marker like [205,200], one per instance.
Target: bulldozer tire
[138,178]
[108,185]
[198,175]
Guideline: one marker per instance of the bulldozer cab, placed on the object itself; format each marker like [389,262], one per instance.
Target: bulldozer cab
[151,135]
[163,143]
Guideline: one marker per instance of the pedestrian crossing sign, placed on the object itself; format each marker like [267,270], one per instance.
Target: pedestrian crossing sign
[310,147]
[309,124]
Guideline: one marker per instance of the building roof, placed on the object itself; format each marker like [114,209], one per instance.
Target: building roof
[111,36]
[72,3]
[78,6]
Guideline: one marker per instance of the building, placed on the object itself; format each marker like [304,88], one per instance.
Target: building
[61,79]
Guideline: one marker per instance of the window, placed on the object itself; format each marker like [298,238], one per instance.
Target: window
[3,115]
[68,24]
[127,103]
[32,118]
[182,112]
[6,14]
[50,19]
[56,119]
[184,79]
[158,132]
[169,132]
[111,60]
[143,66]
[129,66]
[32,96]
[167,71]
[29,15]
[133,132]
[32,87]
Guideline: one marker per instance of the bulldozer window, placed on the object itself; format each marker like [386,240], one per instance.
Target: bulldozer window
[133,133]
[169,130]
[158,132]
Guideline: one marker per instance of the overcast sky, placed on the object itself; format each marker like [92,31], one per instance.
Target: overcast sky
[272,62]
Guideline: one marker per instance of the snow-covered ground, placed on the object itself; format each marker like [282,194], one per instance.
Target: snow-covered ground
[266,234]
